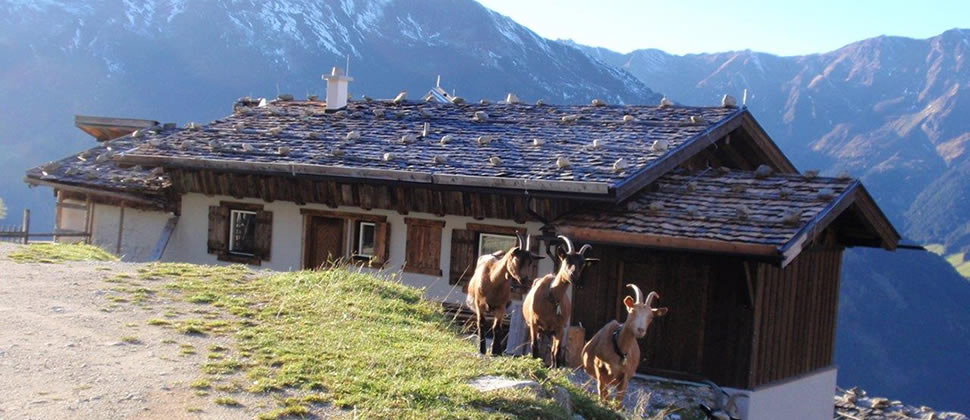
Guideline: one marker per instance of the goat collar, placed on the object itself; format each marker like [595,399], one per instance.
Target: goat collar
[616,344]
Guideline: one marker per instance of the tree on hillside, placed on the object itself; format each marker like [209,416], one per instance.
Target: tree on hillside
[3,210]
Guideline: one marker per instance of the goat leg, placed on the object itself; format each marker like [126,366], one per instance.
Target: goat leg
[479,319]
[534,342]
[554,352]
[621,384]
[497,333]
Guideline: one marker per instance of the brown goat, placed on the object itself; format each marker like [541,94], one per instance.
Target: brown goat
[612,355]
[490,288]
[547,307]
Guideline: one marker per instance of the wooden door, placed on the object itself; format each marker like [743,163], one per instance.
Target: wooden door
[595,295]
[325,241]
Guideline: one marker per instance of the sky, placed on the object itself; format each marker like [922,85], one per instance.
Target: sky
[773,26]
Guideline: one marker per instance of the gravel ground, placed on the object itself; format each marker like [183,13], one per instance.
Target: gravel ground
[62,353]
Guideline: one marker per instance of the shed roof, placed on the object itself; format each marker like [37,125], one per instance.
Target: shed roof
[734,212]
[485,145]
[96,170]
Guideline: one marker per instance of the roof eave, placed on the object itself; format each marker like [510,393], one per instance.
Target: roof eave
[612,237]
[854,195]
[579,188]
[145,199]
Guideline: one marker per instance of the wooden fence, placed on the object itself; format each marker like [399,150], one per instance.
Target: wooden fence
[22,234]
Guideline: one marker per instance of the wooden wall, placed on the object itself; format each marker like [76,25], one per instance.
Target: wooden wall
[736,322]
[400,197]
[706,333]
[796,315]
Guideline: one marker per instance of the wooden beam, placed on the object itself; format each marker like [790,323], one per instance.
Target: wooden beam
[293,169]
[59,207]
[89,219]
[818,224]
[163,239]
[121,228]
[504,230]
[345,215]
[97,192]
[668,242]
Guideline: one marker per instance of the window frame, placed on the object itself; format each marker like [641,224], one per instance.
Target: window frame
[358,245]
[482,235]
[232,228]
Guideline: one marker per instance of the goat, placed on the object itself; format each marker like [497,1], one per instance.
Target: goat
[547,306]
[612,355]
[490,288]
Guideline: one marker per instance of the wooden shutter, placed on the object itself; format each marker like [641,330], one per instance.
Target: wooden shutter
[382,244]
[463,255]
[423,248]
[264,234]
[218,229]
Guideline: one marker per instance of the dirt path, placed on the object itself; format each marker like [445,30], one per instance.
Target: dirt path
[63,349]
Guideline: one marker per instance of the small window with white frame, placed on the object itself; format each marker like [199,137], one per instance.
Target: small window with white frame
[489,243]
[242,232]
[366,244]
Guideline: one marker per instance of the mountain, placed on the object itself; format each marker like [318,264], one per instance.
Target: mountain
[892,111]
[172,60]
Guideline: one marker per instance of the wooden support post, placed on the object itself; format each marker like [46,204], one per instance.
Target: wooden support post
[57,213]
[25,227]
[89,220]
[121,228]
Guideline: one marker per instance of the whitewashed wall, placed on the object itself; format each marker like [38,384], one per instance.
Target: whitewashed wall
[188,243]
[141,231]
[805,397]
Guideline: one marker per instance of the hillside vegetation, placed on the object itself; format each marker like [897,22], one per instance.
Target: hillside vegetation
[364,346]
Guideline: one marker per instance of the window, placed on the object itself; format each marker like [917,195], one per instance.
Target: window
[242,232]
[358,238]
[423,249]
[366,239]
[489,243]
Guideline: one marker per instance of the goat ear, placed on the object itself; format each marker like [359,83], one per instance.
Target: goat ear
[658,312]
[592,261]
[629,303]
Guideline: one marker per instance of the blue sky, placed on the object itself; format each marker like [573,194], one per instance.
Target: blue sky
[779,27]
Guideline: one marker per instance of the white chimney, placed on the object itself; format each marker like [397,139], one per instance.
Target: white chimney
[337,88]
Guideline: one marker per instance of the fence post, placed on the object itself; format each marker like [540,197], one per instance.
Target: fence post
[26,225]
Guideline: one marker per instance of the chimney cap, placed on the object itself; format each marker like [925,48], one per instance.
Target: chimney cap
[336,73]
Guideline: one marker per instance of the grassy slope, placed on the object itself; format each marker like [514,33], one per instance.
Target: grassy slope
[363,343]
[366,344]
[57,253]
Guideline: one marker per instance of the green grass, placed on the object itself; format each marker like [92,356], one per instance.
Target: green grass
[358,342]
[130,340]
[201,384]
[226,401]
[57,253]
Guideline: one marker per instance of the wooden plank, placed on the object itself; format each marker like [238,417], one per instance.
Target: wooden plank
[498,229]
[99,192]
[163,239]
[235,205]
[675,243]
[367,217]
[423,246]
[121,228]
[366,193]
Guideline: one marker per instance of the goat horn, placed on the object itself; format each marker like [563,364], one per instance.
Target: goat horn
[569,244]
[528,242]
[584,248]
[519,241]
[652,296]
[637,291]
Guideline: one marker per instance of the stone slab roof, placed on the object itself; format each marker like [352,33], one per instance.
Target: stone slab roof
[491,144]
[97,169]
[719,207]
